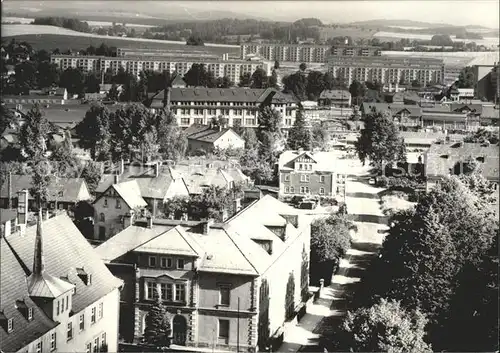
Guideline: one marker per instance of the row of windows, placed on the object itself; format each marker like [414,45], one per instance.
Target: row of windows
[94,346]
[166,262]
[172,292]
[302,190]
[118,203]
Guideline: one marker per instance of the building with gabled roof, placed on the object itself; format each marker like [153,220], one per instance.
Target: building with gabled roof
[57,294]
[209,138]
[203,288]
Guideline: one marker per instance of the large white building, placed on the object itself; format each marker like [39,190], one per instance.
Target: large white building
[233,69]
[287,52]
[237,105]
[386,70]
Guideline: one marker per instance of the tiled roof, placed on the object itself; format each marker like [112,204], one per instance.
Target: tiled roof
[441,158]
[174,241]
[60,189]
[7,215]
[335,94]
[65,250]
[489,111]
[178,81]
[205,133]
[197,177]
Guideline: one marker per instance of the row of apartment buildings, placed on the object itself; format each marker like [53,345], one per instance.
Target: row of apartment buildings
[233,69]
[286,52]
[387,70]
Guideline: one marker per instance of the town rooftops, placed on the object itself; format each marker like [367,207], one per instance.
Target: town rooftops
[66,252]
[206,133]
[442,158]
[335,94]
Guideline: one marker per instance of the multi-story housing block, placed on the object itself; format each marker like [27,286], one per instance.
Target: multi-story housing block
[386,70]
[347,50]
[236,105]
[287,52]
[214,300]
[57,294]
[234,69]
[169,53]
[303,173]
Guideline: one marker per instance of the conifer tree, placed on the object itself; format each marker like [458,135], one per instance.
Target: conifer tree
[299,135]
[157,330]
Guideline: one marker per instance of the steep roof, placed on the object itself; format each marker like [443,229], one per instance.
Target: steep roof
[205,133]
[178,81]
[335,94]
[201,94]
[66,251]
[130,193]
[174,241]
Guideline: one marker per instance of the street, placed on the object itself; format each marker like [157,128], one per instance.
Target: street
[363,206]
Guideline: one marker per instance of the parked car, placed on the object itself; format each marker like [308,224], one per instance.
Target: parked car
[308,205]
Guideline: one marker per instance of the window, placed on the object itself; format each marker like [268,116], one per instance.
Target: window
[166,262]
[82,322]
[96,345]
[292,189]
[287,189]
[224,330]
[101,310]
[152,261]
[88,348]
[150,290]
[105,203]
[224,295]
[302,189]
[300,166]
[10,325]
[322,191]
[53,341]
[102,218]
[321,178]
[92,316]
[287,177]
[103,339]
[304,178]
[30,314]
[39,347]
[67,302]
[70,330]
[184,121]
[180,292]
[62,305]
[180,264]
[118,203]
[58,307]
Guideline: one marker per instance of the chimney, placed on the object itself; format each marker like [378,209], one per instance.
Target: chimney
[167,98]
[206,226]
[150,222]
[22,207]
[121,166]
[156,167]
[128,219]
[117,178]
[237,205]
[9,190]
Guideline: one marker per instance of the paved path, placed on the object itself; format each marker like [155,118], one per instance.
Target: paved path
[362,205]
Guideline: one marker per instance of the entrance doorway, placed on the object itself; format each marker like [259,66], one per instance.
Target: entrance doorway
[179,330]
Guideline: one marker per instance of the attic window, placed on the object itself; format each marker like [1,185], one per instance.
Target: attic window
[84,276]
[480,159]
[60,193]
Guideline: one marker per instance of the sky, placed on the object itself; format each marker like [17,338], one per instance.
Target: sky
[461,12]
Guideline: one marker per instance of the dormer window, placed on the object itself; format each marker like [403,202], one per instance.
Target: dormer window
[10,325]
[60,194]
[30,314]
[84,276]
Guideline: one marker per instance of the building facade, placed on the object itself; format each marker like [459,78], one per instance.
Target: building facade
[303,173]
[214,300]
[287,52]
[386,70]
[233,69]
[57,295]
[351,50]
[238,106]
[209,138]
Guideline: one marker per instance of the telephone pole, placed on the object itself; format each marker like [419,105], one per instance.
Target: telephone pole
[238,328]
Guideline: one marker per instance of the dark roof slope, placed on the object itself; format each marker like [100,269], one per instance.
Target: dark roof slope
[204,133]
[60,189]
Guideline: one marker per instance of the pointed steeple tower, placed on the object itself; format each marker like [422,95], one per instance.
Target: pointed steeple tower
[38,259]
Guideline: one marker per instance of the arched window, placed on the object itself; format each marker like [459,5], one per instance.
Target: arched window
[101,217]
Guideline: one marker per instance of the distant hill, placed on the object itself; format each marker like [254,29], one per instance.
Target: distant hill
[309,22]
[409,23]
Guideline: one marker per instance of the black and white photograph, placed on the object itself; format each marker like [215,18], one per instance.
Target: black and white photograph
[249,176]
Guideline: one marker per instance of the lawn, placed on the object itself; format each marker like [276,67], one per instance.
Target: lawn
[395,201]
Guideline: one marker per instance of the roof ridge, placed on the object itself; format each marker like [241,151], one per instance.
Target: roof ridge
[242,253]
[179,230]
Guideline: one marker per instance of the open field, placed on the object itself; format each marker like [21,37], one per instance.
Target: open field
[353,32]
[26,20]
[50,37]
[458,59]
[387,36]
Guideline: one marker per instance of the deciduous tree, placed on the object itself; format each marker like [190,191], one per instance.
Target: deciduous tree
[94,132]
[299,135]
[34,134]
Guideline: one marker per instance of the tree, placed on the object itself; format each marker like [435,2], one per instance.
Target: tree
[290,297]
[296,84]
[357,91]
[194,40]
[73,80]
[64,156]
[384,327]
[211,203]
[94,132]
[172,141]
[303,67]
[482,136]
[299,135]
[250,138]
[320,137]
[328,81]
[479,186]
[198,76]
[245,79]
[273,80]
[259,79]
[255,166]
[34,134]
[224,82]
[8,117]
[425,250]
[276,64]
[176,206]
[25,77]
[47,74]
[157,329]
[315,84]
[92,173]
[380,142]
[40,181]
[466,78]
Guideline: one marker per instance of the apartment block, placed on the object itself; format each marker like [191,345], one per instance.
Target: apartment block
[169,53]
[233,69]
[237,105]
[346,50]
[213,300]
[57,294]
[287,52]
[387,70]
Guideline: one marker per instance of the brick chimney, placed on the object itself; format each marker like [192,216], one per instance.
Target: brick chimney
[117,178]
[206,226]
[156,167]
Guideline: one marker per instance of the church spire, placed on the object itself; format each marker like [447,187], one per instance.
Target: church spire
[38,260]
